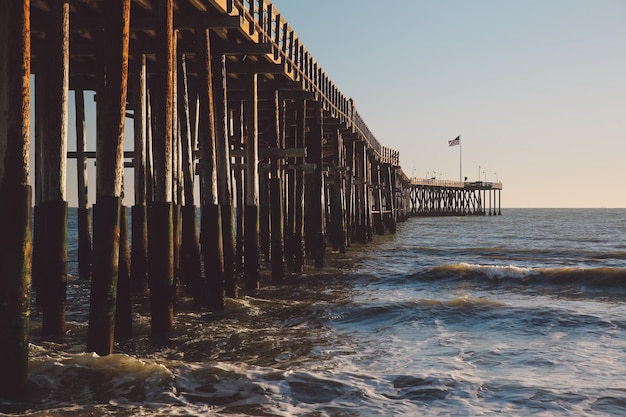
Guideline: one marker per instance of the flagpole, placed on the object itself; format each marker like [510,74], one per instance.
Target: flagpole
[460,162]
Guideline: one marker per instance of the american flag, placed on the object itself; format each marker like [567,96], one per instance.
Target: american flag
[454,142]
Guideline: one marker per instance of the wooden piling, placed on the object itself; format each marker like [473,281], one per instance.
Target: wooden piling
[276,196]
[124,311]
[350,191]
[290,184]
[337,197]
[38,229]
[160,212]
[264,212]
[379,226]
[360,198]
[392,220]
[298,237]
[251,210]
[191,271]
[211,219]
[177,181]
[15,197]
[52,293]
[315,186]
[224,178]
[239,194]
[139,227]
[84,219]
[111,112]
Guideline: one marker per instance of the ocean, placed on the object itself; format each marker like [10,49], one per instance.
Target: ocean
[522,314]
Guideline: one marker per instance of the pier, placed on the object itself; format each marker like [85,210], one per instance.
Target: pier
[223,98]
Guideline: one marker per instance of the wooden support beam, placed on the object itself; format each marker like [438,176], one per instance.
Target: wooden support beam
[315,186]
[15,197]
[337,225]
[298,238]
[143,24]
[191,267]
[139,228]
[273,153]
[52,294]
[286,94]
[160,213]
[223,158]
[111,109]
[84,219]
[256,67]
[212,241]
[277,227]
[251,211]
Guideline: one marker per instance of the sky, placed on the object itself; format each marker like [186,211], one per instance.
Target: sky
[535,88]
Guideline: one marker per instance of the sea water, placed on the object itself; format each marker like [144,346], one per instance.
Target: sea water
[522,314]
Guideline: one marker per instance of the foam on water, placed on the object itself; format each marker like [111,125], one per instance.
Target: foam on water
[454,316]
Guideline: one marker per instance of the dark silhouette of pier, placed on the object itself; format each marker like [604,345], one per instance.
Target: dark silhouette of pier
[220,92]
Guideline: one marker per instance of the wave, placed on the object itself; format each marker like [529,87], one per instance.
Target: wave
[592,277]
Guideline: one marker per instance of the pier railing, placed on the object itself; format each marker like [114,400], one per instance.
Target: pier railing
[267,25]
[477,185]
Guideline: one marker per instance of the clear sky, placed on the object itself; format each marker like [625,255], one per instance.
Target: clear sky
[535,88]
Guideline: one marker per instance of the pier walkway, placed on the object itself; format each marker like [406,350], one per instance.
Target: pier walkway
[220,92]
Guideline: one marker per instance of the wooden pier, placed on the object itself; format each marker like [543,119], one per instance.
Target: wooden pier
[432,197]
[221,93]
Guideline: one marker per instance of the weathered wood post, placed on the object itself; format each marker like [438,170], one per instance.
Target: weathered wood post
[111,112]
[369,216]
[123,310]
[315,185]
[360,198]
[298,237]
[276,196]
[392,218]
[84,220]
[191,268]
[350,161]
[177,182]
[378,185]
[290,183]
[15,196]
[52,295]
[38,225]
[160,217]
[211,219]
[499,202]
[337,196]
[238,135]
[264,212]
[251,210]
[139,253]
[224,178]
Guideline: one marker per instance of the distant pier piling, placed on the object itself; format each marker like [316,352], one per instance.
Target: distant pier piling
[222,93]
